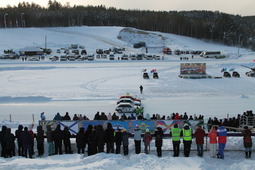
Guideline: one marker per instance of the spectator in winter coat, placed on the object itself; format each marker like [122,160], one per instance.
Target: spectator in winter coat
[27,142]
[146,140]
[109,116]
[100,138]
[247,141]
[57,117]
[10,145]
[97,116]
[109,138]
[147,117]
[187,139]
[3,144]
[115,117]
[67,141]
[30,129]
[159,140]
[177,117]
[40,140]
[222,140]
[18,133]
[137,139]
[75,117]
[118,140]
[90,133]
[66,117]
[176,139]
[49,135]
[58,137]
[213,142]
[200,134]
[125,137]
[103,116]
[81,140]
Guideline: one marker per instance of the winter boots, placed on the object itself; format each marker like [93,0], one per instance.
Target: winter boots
[248,154]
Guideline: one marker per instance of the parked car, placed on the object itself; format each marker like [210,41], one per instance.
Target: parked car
[139,44]
[34,59]
[107,51]
[149,57]
[54,58]
[177,52]
[132,57]
[63,58]
[71,58]
[156,57]
[58,51]
[124,57]
[111,56]
[83,52]
[167,50]
[91,57]
[139,56]
[125,108]
[99,51]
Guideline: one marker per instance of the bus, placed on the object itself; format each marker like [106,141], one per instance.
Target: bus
[210,54]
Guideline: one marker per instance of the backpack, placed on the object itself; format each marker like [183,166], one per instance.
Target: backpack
[247,139]
[147,139]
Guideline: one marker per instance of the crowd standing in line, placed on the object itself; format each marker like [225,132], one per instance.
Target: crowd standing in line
[96,137]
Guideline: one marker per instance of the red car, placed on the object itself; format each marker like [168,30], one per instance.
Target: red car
[167,50]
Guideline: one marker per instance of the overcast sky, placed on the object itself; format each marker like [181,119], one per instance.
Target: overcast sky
[240,7]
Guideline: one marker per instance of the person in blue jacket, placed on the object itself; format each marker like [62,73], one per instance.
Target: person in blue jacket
[222,140]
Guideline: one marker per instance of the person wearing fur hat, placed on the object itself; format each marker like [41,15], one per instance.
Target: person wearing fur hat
[186,133]
[146,140]
[176,137]
[137,139]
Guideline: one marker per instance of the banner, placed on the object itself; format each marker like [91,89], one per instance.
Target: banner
[72,126]
[193,68]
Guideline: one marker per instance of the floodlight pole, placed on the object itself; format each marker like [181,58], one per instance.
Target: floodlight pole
[5,24]
[239,39]
[22,22]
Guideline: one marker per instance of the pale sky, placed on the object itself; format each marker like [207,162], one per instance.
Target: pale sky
[240,7]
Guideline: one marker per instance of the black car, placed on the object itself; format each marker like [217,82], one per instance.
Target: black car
[139,44]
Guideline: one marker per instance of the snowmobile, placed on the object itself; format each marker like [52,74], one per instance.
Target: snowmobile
[155,75]
[250,73]
[226,74]
[235,74]
[146,75]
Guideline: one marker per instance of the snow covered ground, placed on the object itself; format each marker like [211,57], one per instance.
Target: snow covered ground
[85,87]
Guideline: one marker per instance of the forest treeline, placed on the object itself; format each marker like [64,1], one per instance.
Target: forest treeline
[208,25]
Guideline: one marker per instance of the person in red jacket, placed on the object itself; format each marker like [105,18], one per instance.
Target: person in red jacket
[200,134]
[213,142]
